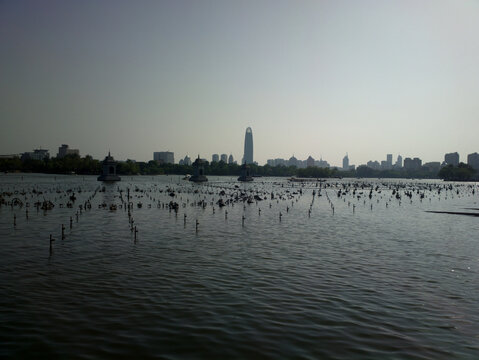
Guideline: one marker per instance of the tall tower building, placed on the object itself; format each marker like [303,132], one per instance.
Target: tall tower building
[399,162]
[346,162]
[248,147]
[389,160]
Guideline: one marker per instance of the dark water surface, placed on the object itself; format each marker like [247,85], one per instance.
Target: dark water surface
[357,278]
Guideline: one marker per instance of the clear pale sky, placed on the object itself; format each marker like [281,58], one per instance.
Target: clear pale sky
[309,77]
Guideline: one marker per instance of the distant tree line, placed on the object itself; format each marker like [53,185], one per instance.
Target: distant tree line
[462,172]
[65,165]
[89,166]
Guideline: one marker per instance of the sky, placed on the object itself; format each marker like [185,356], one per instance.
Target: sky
[319,78]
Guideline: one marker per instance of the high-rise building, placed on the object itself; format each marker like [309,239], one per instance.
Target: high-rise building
[248,147]
[164,157]
[215,158]
[389,161]
[346,163]
[224,158]
[399,162]
[310,161]
[452,159]
[187,160]
[64,150]
[230,159]
[412,164]
[473,160]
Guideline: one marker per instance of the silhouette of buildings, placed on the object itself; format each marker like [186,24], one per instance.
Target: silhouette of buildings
[473,160]
[373,165]
[231,160]
[433,166]
[412,164]
[37,154]
[389,161]
[293,161]
[451,159]
[64,150]
[248,147]
[224,158]
[346,163]
[298,163]
[322,163]
[10,156]
[398,162]
[215,158]
[309,161]
[164,157]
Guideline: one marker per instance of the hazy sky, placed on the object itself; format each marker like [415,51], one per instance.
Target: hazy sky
[309,77]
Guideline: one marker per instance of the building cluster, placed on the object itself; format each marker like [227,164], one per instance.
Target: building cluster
[168,157]
[43,154]
[416,163]
[224,158]
[293,161]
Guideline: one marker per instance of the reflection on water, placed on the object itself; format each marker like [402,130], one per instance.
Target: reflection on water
[357,270]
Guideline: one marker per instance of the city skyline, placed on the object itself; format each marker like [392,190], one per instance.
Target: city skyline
[168,157]
[314,78]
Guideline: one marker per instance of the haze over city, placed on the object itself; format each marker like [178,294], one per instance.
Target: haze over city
[319,78]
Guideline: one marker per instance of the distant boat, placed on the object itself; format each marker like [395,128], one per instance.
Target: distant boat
[187,177]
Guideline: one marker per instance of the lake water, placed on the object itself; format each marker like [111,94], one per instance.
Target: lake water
[362,275]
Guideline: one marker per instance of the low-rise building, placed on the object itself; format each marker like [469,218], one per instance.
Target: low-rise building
[37,154]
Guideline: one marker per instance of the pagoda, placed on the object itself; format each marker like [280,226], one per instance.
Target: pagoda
[109,170]
[198,171]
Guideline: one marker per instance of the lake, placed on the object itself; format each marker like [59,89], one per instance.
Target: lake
[340,269]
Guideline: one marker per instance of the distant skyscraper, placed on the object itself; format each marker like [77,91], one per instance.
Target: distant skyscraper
[164,157]
[412,164]
[230,159]
[64,150]
[346,162]
[248,147]
[187,160]
[399,162]
[215,158]
[389,160]
[224,158]
[452,159]
[473,160]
